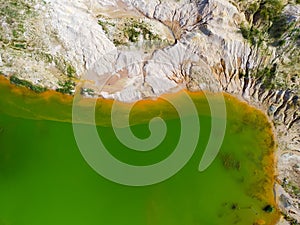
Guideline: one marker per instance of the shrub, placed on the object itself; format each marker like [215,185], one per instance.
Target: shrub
[20,46]
[132,34]
[269,13]
[87,91]
[267,75]
[270,9]
[281,42]
[279,27]
[71,72]
[16,81]
[253,35]
[104,26]
[67,87]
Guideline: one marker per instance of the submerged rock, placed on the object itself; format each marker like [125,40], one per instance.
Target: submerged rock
[268,209]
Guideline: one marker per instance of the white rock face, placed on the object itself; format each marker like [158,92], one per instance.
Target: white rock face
[207,35]
[292,12]
[293,168]
[85,43]
[289,167]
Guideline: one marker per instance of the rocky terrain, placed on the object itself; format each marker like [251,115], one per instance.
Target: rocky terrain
[134,49]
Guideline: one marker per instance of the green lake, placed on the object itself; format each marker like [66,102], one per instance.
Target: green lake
[44,179]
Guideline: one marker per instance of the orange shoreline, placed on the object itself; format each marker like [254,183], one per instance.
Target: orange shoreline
[158,107]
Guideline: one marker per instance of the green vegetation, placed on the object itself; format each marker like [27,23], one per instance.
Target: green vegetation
[17,39]
[133,29]
[14,14]
[67,87]
[87,91]
[268,22]
[127,30]
[296,190]
[252,8]
[281,42]
[61,64]
[24,83]
[279,27]
[46,57]
[71,72]
[118,42]
[104,24]
[11,11]
[269,10]
[15,33]
[269,27]
[267,75]
[253,35]
[132,34]
[291,188]
[290,220]
[20,46]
